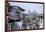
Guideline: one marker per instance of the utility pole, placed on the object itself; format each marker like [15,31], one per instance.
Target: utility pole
[29,13]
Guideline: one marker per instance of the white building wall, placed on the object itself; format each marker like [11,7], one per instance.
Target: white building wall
[41,24]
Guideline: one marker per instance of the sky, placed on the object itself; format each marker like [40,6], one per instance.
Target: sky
[29,6]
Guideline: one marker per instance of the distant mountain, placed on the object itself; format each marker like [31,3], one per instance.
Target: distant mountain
[31,14]
[34,14]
